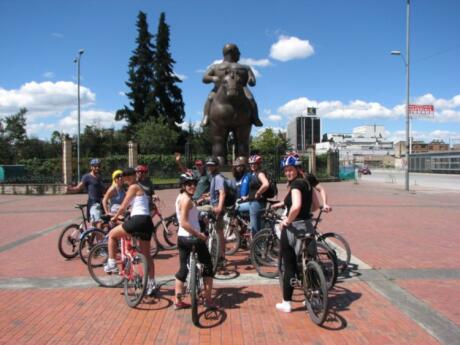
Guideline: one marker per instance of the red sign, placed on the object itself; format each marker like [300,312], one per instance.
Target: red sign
[421,110]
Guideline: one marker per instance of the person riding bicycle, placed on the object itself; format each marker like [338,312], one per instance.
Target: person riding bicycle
[297,222]
[241,178]
[199,171]
[92,181]
[115,194]
[143,179]
[138,224]
[258,184]
[190,235]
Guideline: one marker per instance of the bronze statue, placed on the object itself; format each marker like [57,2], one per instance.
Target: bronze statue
[230,106]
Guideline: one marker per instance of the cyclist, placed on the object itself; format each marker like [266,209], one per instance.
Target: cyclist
[92,181]
[146,184]
[258,184]
[139,223]
[199,171]
[297,222]
[189,234]
[242,177]
[115,194]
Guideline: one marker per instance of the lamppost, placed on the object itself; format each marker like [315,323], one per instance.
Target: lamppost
[407,64]
[77,61]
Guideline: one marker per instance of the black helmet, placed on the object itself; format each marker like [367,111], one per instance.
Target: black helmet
[212,161]
[187,177]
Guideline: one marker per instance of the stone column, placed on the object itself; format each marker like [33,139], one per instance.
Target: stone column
[311,160]
[132,154]
[332,163]
[67,160]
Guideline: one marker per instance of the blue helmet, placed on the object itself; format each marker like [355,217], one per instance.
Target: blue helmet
[291,161]
[94,162]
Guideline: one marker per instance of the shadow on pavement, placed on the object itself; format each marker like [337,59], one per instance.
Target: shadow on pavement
[232,297]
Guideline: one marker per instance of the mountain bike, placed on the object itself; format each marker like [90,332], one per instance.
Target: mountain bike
[168,226]
[195,285]
[92,236]
[237,231]
[213,242]
[69,239]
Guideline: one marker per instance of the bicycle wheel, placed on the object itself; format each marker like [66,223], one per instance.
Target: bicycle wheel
[97,258]
[154,246]
[194,290]
[327,260]
[340,246]
[264,253]
[88,240]
[214,250]
[169,228]
[315,290]
[135,283]
[232,238]
[69,241]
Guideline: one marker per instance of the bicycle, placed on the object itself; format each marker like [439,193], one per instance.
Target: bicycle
[133,269]
[237,231]
[336,242]
[195,285]
[92,236]
[169,227]
[311,279]
[69,239]
[213,242]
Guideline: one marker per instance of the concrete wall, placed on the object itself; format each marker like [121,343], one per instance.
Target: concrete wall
[32,189]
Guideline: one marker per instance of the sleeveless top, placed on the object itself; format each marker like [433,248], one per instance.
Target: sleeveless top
[118,198]
[192,219]
[140,205]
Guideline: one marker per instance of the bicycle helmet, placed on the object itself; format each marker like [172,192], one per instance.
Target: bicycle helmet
[95,161]
[116,174]
[239,161]
[129,172]
[290,161]
[212,161]
[187,177]
[255,159]
[142,168]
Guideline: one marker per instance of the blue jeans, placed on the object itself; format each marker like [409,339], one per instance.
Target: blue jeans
[255,209]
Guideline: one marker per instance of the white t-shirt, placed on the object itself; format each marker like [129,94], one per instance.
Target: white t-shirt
[192,218]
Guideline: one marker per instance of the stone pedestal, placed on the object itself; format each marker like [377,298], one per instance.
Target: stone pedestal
[333,163]
[67,161]
[132,154]
[311,160]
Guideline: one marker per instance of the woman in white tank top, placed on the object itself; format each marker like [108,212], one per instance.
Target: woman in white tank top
[139,224]
[189,235]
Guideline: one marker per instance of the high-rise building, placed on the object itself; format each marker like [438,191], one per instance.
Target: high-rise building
[304,131]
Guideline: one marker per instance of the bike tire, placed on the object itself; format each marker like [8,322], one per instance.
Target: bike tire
[232,239]
[194,291]
[135,283]
[264,253]
[327,260]
[169,228]
[69,241]
[315,290]
[88,240]
[214,250]
[343,253]
[97,258]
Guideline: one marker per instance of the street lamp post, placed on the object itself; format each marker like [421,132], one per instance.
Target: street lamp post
[77,61]
[407,64]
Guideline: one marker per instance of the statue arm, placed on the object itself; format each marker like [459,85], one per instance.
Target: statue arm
[210,76]
[251,77]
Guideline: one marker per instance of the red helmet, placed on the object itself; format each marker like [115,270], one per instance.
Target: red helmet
[255,159]
[142,168]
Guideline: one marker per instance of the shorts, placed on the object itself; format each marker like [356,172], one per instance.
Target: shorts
[95,212]
[139,226]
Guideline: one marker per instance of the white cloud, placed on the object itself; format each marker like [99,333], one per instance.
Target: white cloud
[121,93]
[99,118]
[274,117]
[48,75]
[254,62]
[290,48]
[425,136]
[182,77]
[44,99]
[57,35]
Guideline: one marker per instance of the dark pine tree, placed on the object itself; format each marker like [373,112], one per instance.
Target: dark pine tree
[141,76]
[167,94]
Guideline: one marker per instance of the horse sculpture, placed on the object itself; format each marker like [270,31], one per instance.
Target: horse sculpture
[230,112]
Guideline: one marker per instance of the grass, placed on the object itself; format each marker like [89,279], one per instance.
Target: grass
[157,181]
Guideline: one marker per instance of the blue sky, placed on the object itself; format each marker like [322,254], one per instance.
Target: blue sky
[331,54]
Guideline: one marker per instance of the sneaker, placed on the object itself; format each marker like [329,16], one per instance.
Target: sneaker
[110,268]
[181,305]
[152,288]
[284,306]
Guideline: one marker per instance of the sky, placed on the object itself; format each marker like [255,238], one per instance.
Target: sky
[331,54]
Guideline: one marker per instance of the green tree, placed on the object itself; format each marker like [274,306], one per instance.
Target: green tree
[6,154]
[15,129]
[155,136]
[267,142]
[141,75]
[167,94]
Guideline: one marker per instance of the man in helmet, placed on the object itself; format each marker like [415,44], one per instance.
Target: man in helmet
[216,73]
[199,171]
[92,182]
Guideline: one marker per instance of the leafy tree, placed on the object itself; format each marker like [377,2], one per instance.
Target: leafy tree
[6,154]
[155,136]
[15,128]
[268,142]
[167,94]
[141,75]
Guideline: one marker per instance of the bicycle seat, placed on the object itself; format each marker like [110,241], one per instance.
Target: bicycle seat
[80,206]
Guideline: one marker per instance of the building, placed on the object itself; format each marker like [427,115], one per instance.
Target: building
[304,131]
[421,147]
[369,131]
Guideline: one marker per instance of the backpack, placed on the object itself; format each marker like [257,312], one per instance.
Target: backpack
[230,193]
[272,190]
